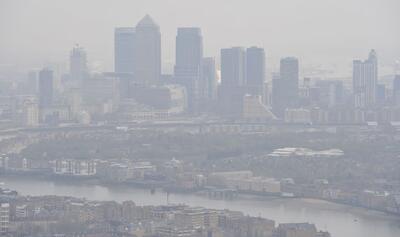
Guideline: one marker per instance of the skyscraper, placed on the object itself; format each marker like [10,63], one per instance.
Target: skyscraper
[233,75]
[78,64]
[289,72]
[365,78]
[147,51]
[209,79]
[233,67]
[285,87]
[45,88]
[396,90]
[255,70]
[124,53]
[32,82]
[189,55]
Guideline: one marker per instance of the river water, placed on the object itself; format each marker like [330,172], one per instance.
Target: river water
[339,220]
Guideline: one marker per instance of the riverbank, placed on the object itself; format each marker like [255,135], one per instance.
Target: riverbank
[338,219]
[71,180]
[92,181]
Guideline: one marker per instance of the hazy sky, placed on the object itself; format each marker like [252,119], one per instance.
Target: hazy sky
[36,32]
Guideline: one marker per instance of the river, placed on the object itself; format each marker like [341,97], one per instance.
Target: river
[339,220]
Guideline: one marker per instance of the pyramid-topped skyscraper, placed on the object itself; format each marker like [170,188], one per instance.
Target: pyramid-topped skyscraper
[147,21]
[147,51]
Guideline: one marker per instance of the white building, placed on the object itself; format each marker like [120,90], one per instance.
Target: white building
[4,218]
[31,115]
[74,167]
[298,116]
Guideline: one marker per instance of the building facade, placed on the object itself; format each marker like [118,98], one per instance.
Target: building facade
[365,78]
[188,65]
[147,51]
[124,53]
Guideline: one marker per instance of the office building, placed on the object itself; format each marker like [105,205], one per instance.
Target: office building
[233,67]
[147,51]
[45,88]
[30,115]
[380,97]
[285,87]
[365,78]
[189,55]
[209,78]
[32,82]
[255,70]
[233,74]
[327,93]
[78,64]
[396,90]
[124,52]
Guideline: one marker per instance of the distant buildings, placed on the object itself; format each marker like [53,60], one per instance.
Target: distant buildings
[168,98]
[299,115]
[188,65]
[233,67]
[78,64]
[365,77]
[244,181]
[233,76]
[46,90]
[38,215]
[255,110]
[396,90]
[299,230]
[30,113]
[137,51]
[4,218]
[74,167]
[285,87]
[330,93]
[147,51]
[124,50]
[137,90]
[208,87]
[255,70]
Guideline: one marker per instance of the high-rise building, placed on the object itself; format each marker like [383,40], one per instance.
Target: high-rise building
[380,97]
[189,55]
[233,75]
[32,82]
[4,218]
[124,50]
[147,48]
[327,93]
[289,72]
[365,78]
[78,64]
[30,115]
[255,70]
[233,67]
[45,88]
[396,90]
[209,79]
[285,87]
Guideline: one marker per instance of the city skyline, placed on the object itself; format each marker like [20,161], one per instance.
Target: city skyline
[266,34]
[199,118]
